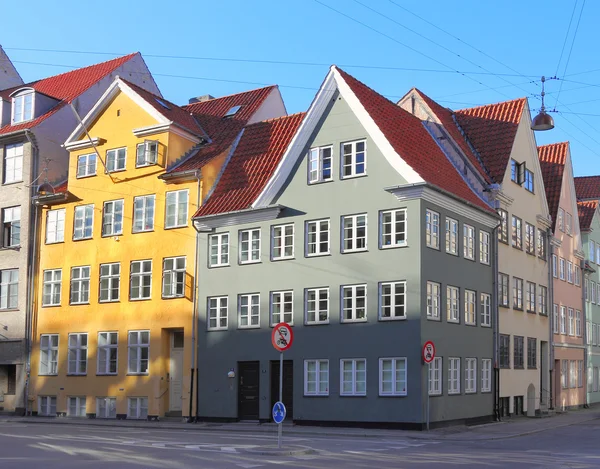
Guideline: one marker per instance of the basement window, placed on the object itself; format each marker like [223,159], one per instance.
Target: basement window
[232,111]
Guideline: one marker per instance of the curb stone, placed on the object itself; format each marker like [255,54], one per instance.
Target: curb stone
[274,451]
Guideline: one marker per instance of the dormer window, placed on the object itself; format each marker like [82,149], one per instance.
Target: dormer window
[232,111]
[22,107]
[147,153]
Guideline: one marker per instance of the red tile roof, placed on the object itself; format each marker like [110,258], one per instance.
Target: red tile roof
[553,158]
[586,210]
[258,153]
[587,187]
[64,88]
[177,114]
[491,129]
[412,142]
[446,117]
[221,130]
[62,187]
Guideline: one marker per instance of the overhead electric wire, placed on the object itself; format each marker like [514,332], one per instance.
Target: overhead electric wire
[566,37]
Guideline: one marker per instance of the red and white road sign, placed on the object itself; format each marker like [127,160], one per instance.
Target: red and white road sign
[428,352]
[282,336]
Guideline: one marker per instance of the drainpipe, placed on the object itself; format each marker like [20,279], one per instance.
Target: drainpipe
[551,315]
[584,331]
[496,322]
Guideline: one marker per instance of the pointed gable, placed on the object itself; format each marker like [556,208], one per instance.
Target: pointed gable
[492,129]
[587,187]
[553,158]
[412,142]
[586,211]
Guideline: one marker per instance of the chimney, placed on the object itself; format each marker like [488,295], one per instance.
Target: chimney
[201,99]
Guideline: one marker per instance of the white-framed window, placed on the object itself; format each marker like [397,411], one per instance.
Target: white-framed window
[282,242]
[47,406]
[555,320]
[138,345]
[140,283]
[392,377]
[541,244]
[317,305]
[319,164]
[116,159]
[432,229]
[353,377]
[598,251]
[592,250]
[469,242]
[55,226]
[569,223]
[110,282]
[354,303]
[517,293]
[435,377]
[542,300]
[137,408]
[452,304]
[13,163]
[80,285]
[108,353]
[11,227]
[146,153]
[486,375]
[528,184]
[52,287]
[433,300]
[577,276]
[249,246]
[392,300]
[77,354]
[484,247]
[249,310]
[23,106]
[143,213]
[554,266]
[578,323]
[76,406]
[470,375]
[571,321]
[177,209]
[48,354]
[317,237]
[392,228]
[173,284]
[517,234]
[354,159]
[218,307]
[9,288]
[354,233]
[86,165]
[563,320]
[486,310]
[592,291]
[596,376]
[470,307]
[453,375]
[106,407]
[83,222]
[219,249]
[569,272]
[282,307]
[451,236]
[561,219]
[529,239]
[531,297]
[316,377]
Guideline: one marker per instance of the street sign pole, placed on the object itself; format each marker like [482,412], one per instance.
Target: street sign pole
[281,338]
[428,355]
[280,429]
[428,384]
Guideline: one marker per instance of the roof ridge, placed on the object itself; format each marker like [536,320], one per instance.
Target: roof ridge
[492,104]
[230,95]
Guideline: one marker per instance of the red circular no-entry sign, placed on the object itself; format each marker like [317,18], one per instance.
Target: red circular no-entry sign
[282,336]
[428,352]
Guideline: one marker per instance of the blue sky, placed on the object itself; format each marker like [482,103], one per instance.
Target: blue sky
[521,39]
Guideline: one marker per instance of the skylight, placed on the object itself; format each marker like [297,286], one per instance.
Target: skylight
[232,111]
[162,103]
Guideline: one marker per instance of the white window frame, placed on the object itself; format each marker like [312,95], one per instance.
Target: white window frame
[555,319]
[319,295]
[531,297]
[318,232]
[55,226]
[470,307]
[468,242]
[11,227]
[80,285]
[179,206]
[20,101]
[353,159]
[174,277]
[83,215]
[563,320]
[283,301]
[86,162]
[353,240]
[54,284]
[353,297]
[315,164]
[279,233]
[77,354]
[47,406]
[107,343]
[220,256]
[141,271]
[571,327]
[433,300]
[138,345]
[435,376]
[453,375]
[354,381]
[114,158]
[452,236]
[432,229]
[13,163]
[592,250]
[250,311]
[247,247]
[486,310]
[144,209]
[530,239]
[569,272]
[77,402]
[395,378]
[470,375]
[393,295]
[111,224]
[569,223]
[554,266]
[561,218]
[484,247]
[393,228]
[9,289]
[217,313]
[140,404]
[486,375]
[49,344]
[149,150]
[452,304]
[110,278]
[578,330]
[110,407]
[321,370]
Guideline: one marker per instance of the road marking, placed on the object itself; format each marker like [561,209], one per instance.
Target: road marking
[227,449]
[247,465]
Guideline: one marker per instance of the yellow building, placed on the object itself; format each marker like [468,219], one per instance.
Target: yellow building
[114,308]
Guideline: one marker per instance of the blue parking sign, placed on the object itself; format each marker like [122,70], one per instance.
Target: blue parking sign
[279,412]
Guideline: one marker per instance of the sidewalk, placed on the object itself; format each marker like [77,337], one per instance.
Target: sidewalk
[510,428]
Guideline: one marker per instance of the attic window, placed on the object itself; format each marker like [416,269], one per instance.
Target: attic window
[22,110]
[232,111]
[162,103]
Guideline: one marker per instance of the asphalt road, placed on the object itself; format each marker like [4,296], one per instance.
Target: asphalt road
[53,446]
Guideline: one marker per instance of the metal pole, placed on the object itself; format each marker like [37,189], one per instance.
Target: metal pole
[428,371]
[279,429]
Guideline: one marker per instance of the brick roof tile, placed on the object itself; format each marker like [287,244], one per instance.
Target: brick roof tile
[586,210]
[553,158]
[587,187]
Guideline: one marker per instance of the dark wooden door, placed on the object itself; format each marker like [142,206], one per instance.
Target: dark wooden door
[288,386]
[248,396]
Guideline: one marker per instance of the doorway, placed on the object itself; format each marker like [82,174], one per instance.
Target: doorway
[176,371]
[288,386]
[248,387]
